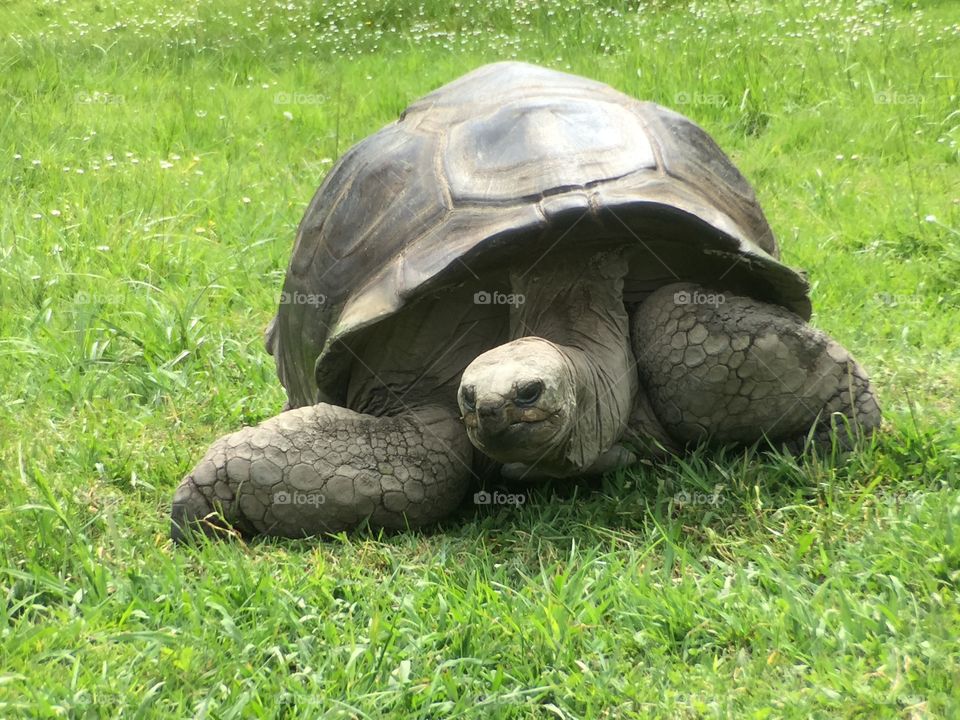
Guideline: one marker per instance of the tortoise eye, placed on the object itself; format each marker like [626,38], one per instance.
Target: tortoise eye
[469,397]
[528,393]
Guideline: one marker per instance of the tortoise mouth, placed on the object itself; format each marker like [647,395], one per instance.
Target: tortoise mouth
[519,425]
[520,439]
[526,420]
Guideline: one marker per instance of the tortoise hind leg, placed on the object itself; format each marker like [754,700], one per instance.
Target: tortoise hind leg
[731,369]
[324,469]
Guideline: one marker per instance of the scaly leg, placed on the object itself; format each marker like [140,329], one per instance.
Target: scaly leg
[323,469]
[731,369]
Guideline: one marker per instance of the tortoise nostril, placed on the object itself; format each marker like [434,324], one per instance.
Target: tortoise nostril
[528,393]
[487,410]
[469,397]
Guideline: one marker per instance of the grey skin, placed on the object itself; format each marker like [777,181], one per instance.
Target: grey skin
[528,274]
[731,371]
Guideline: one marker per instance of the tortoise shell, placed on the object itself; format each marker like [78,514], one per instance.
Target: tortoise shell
[493,165]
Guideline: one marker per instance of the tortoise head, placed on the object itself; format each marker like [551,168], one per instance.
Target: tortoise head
[519,401]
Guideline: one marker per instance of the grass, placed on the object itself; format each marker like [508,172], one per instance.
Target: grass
[155,159]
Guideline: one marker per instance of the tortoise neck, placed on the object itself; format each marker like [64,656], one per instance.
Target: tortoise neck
[578,306]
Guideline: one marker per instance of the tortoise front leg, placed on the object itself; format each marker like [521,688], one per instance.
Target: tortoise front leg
[731,369]
[323,469]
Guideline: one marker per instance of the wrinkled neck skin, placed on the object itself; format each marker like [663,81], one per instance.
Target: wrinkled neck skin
[578,307]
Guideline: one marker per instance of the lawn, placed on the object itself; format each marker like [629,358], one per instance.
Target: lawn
[155,159]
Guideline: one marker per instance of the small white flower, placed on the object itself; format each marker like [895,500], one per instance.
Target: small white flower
[931,218]
[839,157]
[165,165]
[201,113]
[35,162]
[174,157]
[134,161]
[36,216]
[288,115]
[79,171]
[245,200]
[17,156]
[55,213]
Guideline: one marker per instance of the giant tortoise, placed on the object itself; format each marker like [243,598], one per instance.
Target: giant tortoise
[531,274]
